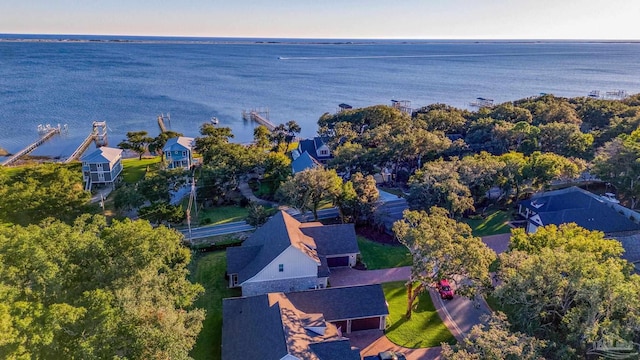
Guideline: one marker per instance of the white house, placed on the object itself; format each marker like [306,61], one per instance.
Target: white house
[102,166]
[179,152]
[284,255]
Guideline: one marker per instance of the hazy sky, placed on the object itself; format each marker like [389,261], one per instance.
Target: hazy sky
[409,19]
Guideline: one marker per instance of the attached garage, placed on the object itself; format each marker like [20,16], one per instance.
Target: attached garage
[339,261]
[366,324]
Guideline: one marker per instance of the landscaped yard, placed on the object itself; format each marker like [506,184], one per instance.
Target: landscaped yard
[133,170]
[425,329]
[495,222]
[383,256]
[208,270]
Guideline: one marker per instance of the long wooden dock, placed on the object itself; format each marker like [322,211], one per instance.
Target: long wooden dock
[161,124]
[48,135]
[256,115]
[82,148]
[97,135]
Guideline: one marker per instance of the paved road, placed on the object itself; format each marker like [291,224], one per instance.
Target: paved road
[215,230]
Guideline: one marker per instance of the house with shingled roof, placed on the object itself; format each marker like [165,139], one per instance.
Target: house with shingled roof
[315,147]
[304,162]
[587,210]
[178,152]
[306,325]
[284,255]
[101,166]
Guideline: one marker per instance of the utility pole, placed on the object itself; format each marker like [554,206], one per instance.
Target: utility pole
[192,201]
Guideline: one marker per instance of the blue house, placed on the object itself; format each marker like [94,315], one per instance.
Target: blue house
[179,152]
[102,166]
[315,147]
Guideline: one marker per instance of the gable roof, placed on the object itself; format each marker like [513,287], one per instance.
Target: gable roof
[270,326]
[103,154]
[336,239]
[575,205]
[340,303]
[179,142]
[308,146]
[269,241]
[304,162]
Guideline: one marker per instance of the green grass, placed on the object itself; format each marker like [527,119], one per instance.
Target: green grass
[383,256]
[494,223]
[424,329]
[133,170]
[222,215]
[208,270]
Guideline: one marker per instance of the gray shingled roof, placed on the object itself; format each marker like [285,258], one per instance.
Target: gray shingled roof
[270,326]
[333,239]
[304,162]
[102,155]
[309,146]
[341,303]
[180,142]
[238,257]
[271,239]
[251,329]
[575,205]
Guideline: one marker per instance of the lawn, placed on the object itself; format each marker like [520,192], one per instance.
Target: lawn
[383,256]
[208,270]
[133,170]
[222,215]
[495,222]
[425,329]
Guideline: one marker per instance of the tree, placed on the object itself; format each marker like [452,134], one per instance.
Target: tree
[438,184]
[617,163]
[92,291]
[137,141]
[161,212]
[442,248]
[292,129]
[480,173]
[257,215]
[564,139]
[511,176]
[261,137]
[542,168]
[569,286]
[494,341]
[277,169]
[212,138]
[158,143]
[127,197]
[308,188]
[33,194]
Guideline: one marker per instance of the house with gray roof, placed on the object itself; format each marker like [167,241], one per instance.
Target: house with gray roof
[101,166]
[315,147]
[588,210]
[304,162]
[306,325]
[178,152]
[284,255]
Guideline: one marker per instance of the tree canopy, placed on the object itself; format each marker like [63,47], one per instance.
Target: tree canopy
[92,291]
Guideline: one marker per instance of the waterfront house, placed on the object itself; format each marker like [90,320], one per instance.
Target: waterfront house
[304,162]
[301,325]
[101,166]
[285,255]
[178,152]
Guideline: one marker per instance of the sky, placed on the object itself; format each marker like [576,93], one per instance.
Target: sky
[345,19]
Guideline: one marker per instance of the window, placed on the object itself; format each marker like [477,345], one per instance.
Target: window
[184,153]
[324,152]
[234,279]
[281,267]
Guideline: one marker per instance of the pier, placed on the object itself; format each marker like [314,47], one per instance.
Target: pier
[161,124]
[47,133]
[259,116]
[97,135]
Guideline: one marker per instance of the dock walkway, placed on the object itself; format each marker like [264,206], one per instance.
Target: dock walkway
[48,135]
[254,115]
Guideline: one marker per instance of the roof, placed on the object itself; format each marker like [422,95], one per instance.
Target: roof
[345,106]
[270,240]
[308,146]
[180,142]
[575,205]
[304,162]
[339,303]
[333,239]
[631,245]
[270,326]
[103,154]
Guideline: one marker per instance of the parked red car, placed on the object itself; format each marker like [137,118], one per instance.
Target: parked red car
[445,290]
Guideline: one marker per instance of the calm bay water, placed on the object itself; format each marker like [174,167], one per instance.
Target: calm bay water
[129,84]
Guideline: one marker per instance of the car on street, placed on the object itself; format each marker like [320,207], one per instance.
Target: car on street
[444,289]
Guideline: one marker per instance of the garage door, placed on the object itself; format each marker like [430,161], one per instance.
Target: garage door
[341,324]
[338,261]
[365,324]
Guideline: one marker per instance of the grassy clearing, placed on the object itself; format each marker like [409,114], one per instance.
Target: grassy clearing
[495,222]
[133,170]
[222,215]
[425,329]
[383,256]
[208,270]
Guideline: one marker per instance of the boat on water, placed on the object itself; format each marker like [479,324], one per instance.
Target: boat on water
[214,120]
